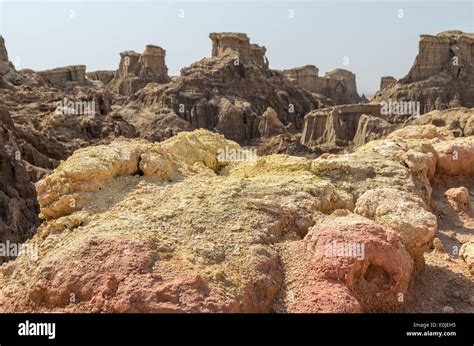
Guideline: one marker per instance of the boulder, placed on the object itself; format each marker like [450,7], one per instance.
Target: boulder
[270,125]
[347,264]
[406,214]
[459,198]
[456,157]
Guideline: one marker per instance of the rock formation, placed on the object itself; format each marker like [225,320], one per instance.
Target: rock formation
[341,233]
[61,76]
[270,125]
[238,42]
[339,85]
[454,122]
[104,76]
[344,125]
[387,81]
[228,92]
[441,76]
[137,70]
[5,64]
[25,157]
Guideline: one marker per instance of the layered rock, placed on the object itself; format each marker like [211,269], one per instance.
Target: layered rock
[227,93]
[441,76]
[61,76]
[344,125]
[103,76]
[240,43]
[137,70]
[339,85]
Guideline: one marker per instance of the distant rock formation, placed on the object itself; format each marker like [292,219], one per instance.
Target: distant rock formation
[387,81]
[346,125]
[137,70]
[339,85]
[239,42]
[61,76]
[8,75]
[104,76]
[5,64]
[228,92]
[442,75]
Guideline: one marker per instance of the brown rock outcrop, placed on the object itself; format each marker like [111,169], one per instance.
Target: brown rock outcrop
[339,126]
[339,85]
[387,81]
[204,97]
[137,70]
[25,157]
[240,43]
[456,122]
[4,62]
[270,125]
[61,76]
[441,76]
[104,76]
[459,198]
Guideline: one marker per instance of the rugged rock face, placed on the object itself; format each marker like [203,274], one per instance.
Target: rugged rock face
[204,96]
[344,125]
[8,74]
[339,85]
[4,62]
[137,70]
[441,76]
[25,157]
[61,76]
[274,234]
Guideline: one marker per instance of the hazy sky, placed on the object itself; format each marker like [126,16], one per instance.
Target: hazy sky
[378,37]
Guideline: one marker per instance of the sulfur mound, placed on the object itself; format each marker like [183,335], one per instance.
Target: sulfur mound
[135,226]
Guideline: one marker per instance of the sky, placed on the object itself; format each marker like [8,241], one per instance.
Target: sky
[371,38]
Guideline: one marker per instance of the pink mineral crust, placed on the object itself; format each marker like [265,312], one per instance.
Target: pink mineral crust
[113,275]
[375,279]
